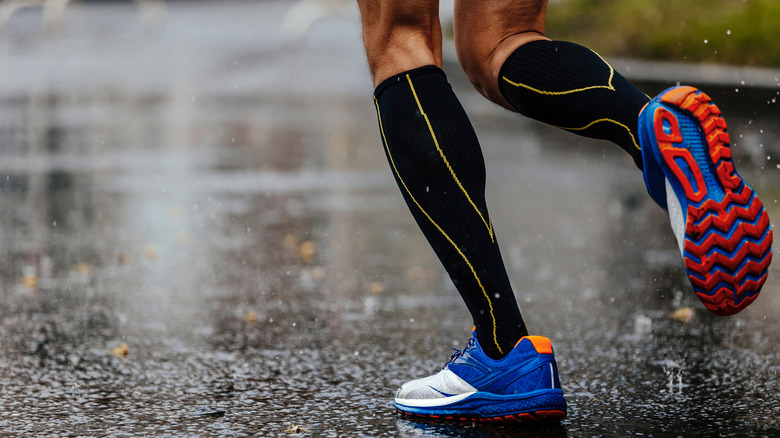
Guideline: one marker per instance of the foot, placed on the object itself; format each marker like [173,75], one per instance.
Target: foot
[721,226]
[522,386]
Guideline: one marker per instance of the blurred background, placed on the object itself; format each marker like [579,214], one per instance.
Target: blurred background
[201,236]
[732,32]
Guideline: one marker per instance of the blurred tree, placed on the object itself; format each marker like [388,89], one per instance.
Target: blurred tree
[739,32]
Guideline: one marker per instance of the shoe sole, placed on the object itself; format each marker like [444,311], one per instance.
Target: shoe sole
[727,237]
[547,405]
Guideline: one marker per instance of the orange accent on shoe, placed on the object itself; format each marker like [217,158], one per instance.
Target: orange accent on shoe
[543,415]
[677,96]
[551,414]
[662,115]
[541,344]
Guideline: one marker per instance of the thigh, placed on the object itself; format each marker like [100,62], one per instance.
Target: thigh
[488,31]
[400,35]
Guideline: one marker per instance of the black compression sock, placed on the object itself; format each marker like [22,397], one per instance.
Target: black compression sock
[571,87]
[437,162]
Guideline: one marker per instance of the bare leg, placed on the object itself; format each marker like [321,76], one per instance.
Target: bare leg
[400,35]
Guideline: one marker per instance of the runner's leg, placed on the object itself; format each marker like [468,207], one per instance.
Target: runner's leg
[512,63]
[437,161]
[679,140]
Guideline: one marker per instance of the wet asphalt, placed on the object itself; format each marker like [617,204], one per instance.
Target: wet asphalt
[201,237]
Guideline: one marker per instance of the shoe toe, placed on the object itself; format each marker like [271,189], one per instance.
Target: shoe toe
[445,383]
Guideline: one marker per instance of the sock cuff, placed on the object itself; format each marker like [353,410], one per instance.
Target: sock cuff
[394,79]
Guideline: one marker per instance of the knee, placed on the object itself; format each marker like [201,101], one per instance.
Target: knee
[477,68]
[485,36]
[482,63]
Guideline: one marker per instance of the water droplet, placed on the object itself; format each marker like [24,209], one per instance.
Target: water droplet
[728,31]
[705,41]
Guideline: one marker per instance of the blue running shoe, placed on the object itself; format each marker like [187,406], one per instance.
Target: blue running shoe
[522,386]
[720,224]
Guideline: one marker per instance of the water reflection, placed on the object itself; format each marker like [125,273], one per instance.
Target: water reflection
[424,428]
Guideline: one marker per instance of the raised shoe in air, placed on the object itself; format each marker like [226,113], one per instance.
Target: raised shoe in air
[721,226]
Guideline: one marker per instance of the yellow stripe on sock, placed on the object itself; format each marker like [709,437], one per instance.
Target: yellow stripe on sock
[609,86]
[559,93]
[447,163]
[408,192]
[622,125]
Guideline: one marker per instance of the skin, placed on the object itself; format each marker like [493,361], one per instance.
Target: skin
[400,35]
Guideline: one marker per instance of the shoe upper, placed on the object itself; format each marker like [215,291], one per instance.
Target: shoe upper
[655,179]
[528,367]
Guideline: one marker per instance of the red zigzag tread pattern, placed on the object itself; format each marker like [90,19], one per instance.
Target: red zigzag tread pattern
[735,252]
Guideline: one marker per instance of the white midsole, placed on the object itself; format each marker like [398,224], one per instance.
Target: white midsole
[426,403]
[676,215]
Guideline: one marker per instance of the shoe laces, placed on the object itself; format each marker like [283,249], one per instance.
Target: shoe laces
[458,353]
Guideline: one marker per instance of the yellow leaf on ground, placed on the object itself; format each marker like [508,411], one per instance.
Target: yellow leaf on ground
[296,429]
[29,280]
[251,317]
[683,314]
[376,287]
[121,351]
[83,268]
[306,251]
